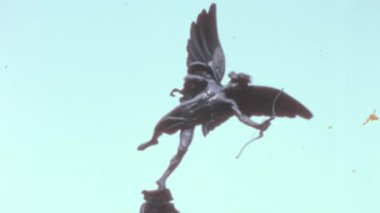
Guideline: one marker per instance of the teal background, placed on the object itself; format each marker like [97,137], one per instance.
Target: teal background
[83,83]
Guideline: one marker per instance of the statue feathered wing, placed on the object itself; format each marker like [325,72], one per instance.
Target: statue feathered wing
[259,100]
[205,54]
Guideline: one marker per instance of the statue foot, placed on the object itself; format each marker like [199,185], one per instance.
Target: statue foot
[161,184]
[147,144]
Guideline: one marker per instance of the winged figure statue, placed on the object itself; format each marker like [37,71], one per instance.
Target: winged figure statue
[206,102]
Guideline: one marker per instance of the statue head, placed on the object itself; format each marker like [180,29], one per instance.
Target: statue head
[238,79]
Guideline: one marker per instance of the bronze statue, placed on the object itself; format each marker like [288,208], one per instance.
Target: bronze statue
[206,102]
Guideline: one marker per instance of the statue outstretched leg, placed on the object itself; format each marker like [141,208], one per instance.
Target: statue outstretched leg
[153,140]
[186,136]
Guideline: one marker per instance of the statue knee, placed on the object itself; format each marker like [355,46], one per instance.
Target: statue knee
[182,149]
[185,140]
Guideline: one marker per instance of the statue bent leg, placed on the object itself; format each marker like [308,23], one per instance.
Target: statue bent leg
[152,141]
[171,123]
[167,124]
[186,136]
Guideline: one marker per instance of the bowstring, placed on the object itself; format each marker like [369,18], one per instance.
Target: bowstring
[261,133]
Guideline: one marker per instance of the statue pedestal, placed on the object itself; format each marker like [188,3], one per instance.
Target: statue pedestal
[158,201]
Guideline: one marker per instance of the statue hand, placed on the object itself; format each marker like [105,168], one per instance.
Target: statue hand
[265,124]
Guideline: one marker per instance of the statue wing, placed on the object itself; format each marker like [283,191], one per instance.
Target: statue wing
[205,54]
[258,100]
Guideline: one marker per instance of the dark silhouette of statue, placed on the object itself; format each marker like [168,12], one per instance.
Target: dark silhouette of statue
[208,103]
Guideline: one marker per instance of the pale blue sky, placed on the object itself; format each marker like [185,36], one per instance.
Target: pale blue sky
[83,83]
